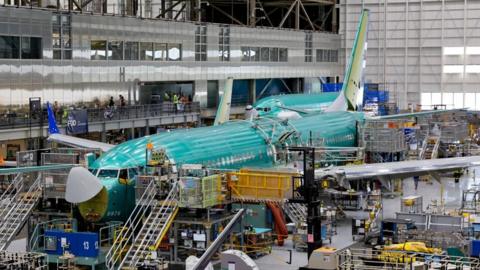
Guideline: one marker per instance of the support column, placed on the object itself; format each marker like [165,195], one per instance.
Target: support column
[253,91]
[163,9]
[252,16]
[334,19]
[147,128]
[103,134]
[297,15]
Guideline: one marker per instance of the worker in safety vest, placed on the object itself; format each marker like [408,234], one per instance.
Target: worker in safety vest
[175,101]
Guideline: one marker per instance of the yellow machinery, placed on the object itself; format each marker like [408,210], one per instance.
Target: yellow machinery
[261,185]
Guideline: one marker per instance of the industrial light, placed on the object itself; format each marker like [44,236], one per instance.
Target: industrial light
[473,50]
[453,69]
[453,50]
[472,68]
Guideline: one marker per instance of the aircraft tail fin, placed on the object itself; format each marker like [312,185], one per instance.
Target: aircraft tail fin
[353,80]
[52,123]
[223,112]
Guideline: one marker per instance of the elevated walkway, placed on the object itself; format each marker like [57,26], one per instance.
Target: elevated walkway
[99,120]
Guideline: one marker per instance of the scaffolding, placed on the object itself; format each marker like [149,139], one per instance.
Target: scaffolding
[384,140]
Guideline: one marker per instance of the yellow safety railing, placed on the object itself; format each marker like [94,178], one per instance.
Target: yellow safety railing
[167,227]
[261,185]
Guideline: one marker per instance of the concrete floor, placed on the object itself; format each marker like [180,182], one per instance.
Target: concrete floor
[430,191]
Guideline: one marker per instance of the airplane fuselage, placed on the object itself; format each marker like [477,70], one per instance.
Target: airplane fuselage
[233,145]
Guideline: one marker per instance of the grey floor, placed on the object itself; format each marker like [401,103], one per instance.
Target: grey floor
[430,191]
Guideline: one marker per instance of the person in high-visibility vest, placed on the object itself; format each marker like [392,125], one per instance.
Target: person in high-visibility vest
[175,102]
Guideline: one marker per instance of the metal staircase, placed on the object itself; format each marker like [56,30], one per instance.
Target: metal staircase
[145,228]
[430,147]
[297,212]
[16,206]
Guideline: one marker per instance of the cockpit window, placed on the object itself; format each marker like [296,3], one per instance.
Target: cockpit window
[93,171]
[108,173]
[123,174]
[132,172]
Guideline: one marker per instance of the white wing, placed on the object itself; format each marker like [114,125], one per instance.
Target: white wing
[79,142]
[400,169]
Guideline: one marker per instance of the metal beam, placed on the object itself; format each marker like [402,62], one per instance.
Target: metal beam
[226,14]
[297,15]
[252,12]
[266,14]
[286,86]
[264,88]
[180,11]
[306,14]
[288,13]
[170,8]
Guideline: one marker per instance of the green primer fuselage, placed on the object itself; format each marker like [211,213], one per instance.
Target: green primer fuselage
[271,106]
[232,145]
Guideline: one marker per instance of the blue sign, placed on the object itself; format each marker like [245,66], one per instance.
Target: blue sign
[80,244]
[77,122]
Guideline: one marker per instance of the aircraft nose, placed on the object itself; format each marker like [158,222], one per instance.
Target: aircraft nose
[82,185]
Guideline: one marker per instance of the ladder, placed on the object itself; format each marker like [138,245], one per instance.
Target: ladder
[430,147]
[297,212]
[125,236]
[16,207]
[153,230]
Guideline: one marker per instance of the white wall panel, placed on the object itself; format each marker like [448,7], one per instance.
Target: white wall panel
[407,41]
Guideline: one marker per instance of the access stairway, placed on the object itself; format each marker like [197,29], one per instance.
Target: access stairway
[430,147]
[297,212]
[16,206]
[145,228]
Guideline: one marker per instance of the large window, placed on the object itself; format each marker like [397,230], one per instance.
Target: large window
[98,49]
[283,55]
[160,51]
[201,43]
[146,51]
[324,55]
[450,100]
[264,54]
[9,47]
[131,50]
[61,36]
[224,44]
[115,50]
[174,52]
[12,47]
[31,48]
[308,47]
[273,54]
